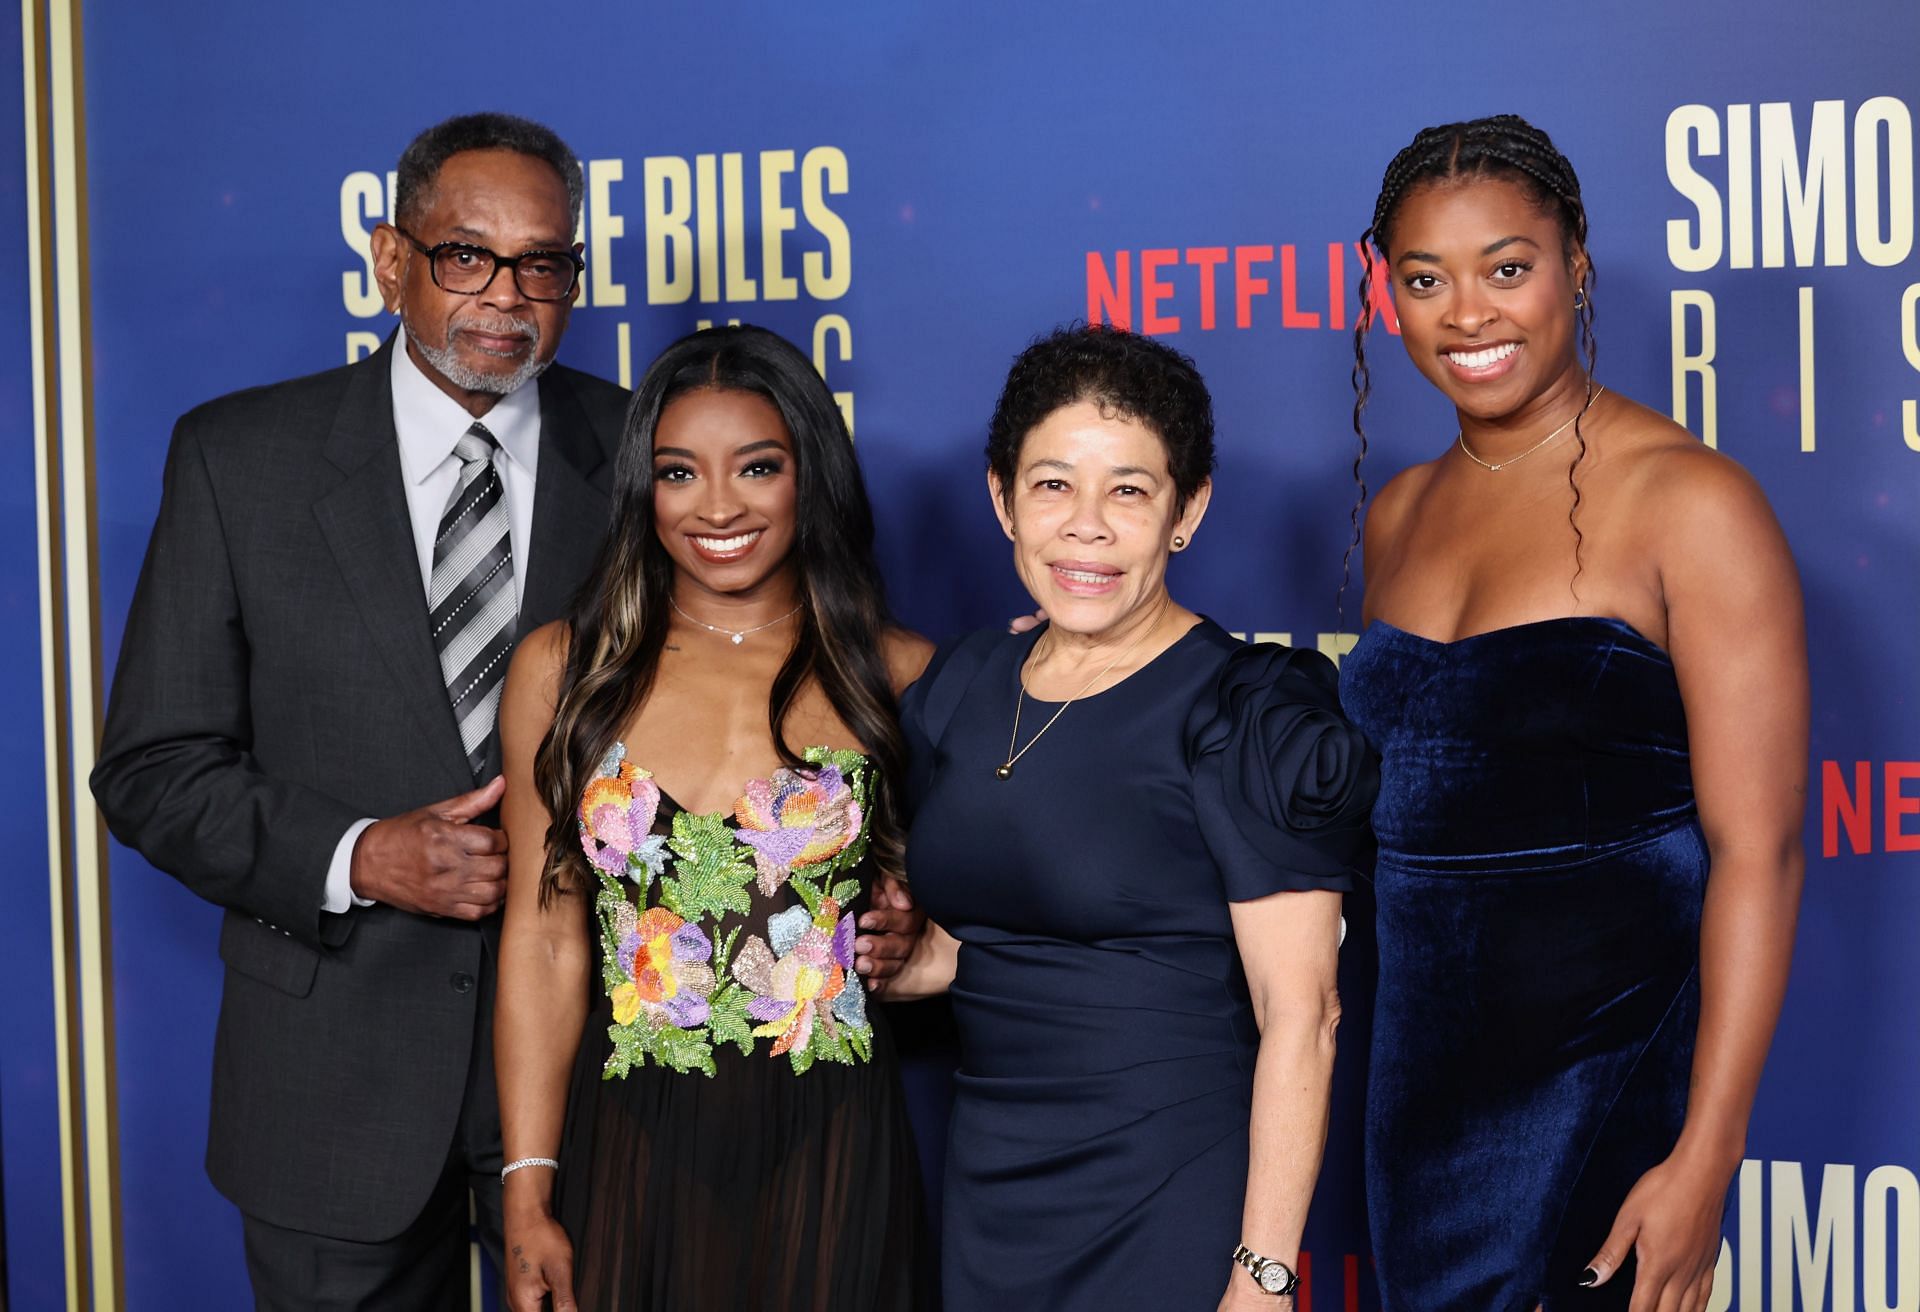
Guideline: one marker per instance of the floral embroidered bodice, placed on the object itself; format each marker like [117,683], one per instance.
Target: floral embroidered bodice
[730,927]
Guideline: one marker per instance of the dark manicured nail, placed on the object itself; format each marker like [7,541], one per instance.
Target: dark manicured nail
[1587,1278]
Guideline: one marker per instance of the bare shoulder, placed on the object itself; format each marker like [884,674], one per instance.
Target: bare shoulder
[1393,503]
[907,654]
[537,663]
[1686,493]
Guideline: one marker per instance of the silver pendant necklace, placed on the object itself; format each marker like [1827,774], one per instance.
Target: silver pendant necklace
[738,636]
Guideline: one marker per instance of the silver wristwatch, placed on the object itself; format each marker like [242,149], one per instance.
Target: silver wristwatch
[1273,1276]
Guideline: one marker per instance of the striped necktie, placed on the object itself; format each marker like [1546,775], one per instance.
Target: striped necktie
[470,600]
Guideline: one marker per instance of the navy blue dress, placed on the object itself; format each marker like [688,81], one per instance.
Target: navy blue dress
[1540,880]
[1098,1151]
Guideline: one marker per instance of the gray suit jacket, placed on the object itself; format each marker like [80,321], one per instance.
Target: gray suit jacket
[277,681]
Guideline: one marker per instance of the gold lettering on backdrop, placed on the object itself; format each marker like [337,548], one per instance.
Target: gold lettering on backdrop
[1806,369]
[1769,185]
[667,186]
[1910,344]
[361,198]
[776,221]
[604,229]
[1696,363]
[836,327]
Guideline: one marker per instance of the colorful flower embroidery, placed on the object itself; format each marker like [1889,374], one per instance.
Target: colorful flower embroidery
[616,818]
[669,964]
[800,979]
[792,821]
[665,961]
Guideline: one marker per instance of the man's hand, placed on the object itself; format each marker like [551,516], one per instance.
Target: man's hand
[888,930]
[434,862]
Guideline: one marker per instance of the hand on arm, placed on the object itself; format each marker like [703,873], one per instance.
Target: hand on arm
[1290,948]
[546,960]
[889,929]
[928,969]
[1736,634]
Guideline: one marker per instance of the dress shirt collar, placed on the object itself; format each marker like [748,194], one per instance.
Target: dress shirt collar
[429,421]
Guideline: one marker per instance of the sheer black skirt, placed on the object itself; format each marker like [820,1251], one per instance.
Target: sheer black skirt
[757,1190]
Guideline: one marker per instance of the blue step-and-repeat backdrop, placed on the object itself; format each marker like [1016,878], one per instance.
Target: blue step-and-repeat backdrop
[911,193]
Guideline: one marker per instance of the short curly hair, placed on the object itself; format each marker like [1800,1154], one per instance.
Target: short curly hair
[1129,377]
[420,162]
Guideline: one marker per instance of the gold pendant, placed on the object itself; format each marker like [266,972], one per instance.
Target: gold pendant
[1004,771]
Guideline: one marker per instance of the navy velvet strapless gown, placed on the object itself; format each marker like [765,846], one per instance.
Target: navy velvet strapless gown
[1540,880]
[1097,1156]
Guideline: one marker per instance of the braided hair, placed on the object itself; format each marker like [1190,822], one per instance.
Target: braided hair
[1504,146]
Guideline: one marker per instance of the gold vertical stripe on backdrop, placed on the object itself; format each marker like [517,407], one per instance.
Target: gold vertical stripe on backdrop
[92,919]
[53,647]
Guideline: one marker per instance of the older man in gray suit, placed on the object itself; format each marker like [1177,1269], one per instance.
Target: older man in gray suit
[301,727]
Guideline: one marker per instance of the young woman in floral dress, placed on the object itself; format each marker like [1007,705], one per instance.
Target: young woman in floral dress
[698,1108]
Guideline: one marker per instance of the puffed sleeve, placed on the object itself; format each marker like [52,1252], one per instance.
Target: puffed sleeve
[929,703]
[1283,784]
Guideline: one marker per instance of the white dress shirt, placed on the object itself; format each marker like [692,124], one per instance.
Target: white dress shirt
[428,423]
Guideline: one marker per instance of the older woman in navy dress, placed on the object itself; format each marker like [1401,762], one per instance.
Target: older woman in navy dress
[1131,836]
[1587,678]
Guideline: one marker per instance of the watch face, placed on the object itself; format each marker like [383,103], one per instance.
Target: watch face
[1272,1278]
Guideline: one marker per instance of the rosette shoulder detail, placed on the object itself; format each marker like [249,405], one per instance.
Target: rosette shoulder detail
[1283,783]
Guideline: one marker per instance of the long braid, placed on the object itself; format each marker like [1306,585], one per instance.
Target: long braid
[1362,380]
[1504,144]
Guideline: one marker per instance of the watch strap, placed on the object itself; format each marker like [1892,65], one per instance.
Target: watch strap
[1272,1275]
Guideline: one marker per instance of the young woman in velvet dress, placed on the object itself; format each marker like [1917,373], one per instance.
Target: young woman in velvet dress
[698,1108]
[1586,675]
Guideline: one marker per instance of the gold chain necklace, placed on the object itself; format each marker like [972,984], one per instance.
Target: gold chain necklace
[1005,770]
[1468,451]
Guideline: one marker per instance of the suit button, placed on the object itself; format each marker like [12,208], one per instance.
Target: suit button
[461,981]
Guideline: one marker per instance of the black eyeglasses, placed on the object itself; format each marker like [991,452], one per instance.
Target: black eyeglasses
[467,270]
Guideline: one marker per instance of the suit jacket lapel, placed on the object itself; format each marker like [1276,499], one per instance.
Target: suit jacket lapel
[570,512]
[365,523]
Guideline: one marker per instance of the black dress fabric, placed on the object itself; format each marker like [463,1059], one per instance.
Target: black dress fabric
[774,1170]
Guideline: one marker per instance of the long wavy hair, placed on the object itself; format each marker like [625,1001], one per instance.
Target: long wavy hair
[617,624]
[1502,146]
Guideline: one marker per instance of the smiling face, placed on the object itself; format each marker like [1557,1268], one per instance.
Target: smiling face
[1484,288]
[479,348]
[724,490]
[1092,517]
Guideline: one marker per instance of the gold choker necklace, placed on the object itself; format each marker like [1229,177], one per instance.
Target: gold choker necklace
[1468,451]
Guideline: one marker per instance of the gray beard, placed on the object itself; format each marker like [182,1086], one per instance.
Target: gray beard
[443,359]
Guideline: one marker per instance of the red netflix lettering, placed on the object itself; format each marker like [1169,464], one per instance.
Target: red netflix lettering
[1110,297]
[1291,316]
[1245,286]
[1153,290]
[1899,805]
[1207,258]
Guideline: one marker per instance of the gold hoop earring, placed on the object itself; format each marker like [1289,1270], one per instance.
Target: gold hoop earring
[1179,543]
[1579,298]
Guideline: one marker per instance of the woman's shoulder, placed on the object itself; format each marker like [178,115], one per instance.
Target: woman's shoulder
[1268,673]
[906,654]
[1283,781]
[538,660]
[1682,490]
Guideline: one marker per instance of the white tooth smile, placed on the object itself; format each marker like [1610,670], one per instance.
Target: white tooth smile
[1481,359]
[1081,575]
[721,546]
